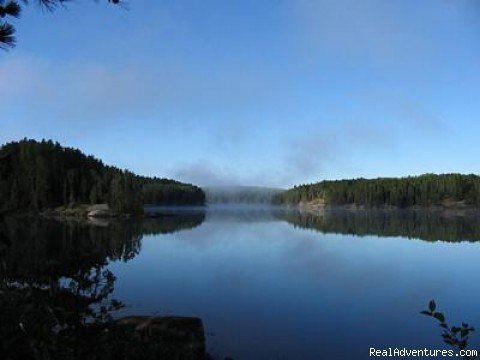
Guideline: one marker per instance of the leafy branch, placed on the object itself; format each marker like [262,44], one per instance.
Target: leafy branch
[456,336]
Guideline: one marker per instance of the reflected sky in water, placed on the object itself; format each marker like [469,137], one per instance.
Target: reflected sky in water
[268,288]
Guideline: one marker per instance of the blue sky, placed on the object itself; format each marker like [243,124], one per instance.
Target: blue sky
[252,92]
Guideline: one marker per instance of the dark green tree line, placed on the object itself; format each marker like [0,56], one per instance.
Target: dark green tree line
[424,190]
[36,176]
[157,191]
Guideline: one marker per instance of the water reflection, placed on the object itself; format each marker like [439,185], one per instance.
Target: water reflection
[265,288]
[269,290]
[449,226]
[172,222]
[56,290]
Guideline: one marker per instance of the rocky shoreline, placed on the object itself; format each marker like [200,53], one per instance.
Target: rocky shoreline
[96,211]
[442,207]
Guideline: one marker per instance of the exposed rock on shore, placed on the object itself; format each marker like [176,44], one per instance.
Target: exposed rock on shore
[99,211]
[176,337]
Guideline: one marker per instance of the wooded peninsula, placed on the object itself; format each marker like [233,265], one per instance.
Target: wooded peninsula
[40,175]
[429,190]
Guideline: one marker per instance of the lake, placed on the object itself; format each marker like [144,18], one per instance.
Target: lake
[272,283]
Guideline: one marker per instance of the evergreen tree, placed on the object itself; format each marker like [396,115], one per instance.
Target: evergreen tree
[424,190]
[39,175]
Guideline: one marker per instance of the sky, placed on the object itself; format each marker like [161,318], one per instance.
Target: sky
[248,92]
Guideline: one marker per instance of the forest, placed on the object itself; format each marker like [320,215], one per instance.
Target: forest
[40,175]
[424,190]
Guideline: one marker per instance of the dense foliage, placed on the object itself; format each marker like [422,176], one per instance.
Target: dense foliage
[157,191]
[38,175]
[424,190]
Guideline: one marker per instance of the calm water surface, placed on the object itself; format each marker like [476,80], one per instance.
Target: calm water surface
[276,284]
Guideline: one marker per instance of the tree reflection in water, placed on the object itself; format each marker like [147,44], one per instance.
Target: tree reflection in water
[448,226]
[56,292]
[451,226]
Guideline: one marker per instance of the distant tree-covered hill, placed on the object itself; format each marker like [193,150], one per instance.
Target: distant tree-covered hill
[240,194]
[425,190]
[37,175]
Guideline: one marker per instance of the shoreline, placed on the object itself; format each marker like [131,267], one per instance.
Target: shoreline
[96,211]
[319,207]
